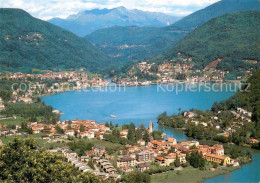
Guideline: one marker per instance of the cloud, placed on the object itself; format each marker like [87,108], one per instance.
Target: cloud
[46,9]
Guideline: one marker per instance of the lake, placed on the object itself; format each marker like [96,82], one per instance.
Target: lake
[134,104]
[142,104]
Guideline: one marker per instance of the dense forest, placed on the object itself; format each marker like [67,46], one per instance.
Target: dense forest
[27,43]
[234,38]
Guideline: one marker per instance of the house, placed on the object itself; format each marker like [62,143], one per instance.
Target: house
[169,159]
[84,158]
[35,130]
[56,136]
[171,141]
[141,142]
[142,167]
[217,149]
[253,141]
[124,133]
[2,107]
[126,162]
[234,162]
[27,100]
[114,176]
[145,156]
[127,169]
[69,132]
[69,153]
[4,131]
[217,159]
[160,161]
[217,126]
[45,137]
[98,150]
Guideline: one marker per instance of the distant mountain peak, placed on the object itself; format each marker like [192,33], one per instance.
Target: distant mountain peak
[89,21]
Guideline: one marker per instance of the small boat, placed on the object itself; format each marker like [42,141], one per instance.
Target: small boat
[112,116]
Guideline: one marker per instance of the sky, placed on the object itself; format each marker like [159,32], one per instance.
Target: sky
[47,9]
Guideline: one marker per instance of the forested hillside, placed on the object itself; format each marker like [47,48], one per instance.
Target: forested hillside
[131,43]
[27,43]
[234,39]
[248,98]
[215,10]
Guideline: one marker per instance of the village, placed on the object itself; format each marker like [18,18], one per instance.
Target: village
[180,69]
[137,157]
[26,87]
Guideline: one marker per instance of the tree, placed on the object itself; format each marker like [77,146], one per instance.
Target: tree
[196,160]
[136,177]
[146,136]
[59,129]
[82,128]
[177,162]
[21,160]
[90,164]
[111,124]
[138,134]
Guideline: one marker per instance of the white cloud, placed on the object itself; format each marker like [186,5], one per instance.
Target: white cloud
[46,9]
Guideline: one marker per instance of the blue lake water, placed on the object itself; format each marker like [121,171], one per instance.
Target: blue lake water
[142,104]
[133,104]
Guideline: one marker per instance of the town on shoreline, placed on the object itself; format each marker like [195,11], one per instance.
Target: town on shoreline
[107,150]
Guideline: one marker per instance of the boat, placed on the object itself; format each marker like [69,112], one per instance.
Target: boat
[112,116]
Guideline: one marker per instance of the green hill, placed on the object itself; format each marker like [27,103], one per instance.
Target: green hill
[215,10]
[132,43]
[234,38]
[248,98]
[27,42]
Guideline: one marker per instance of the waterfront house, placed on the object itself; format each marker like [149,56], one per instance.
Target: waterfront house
[217,149]
[217,159]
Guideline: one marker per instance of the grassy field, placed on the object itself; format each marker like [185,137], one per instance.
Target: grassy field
[189,175]
[106,144]
[16,121]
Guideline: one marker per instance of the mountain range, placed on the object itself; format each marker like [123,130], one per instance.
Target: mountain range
[88,21]
[27,42]
[145,42]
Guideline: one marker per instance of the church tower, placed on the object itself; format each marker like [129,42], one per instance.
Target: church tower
[150,127]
